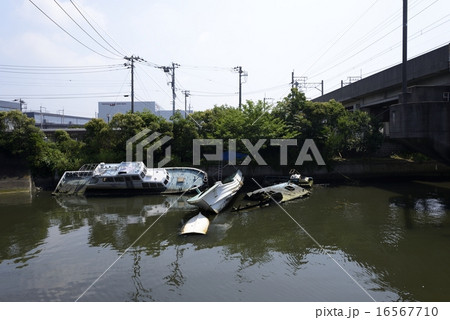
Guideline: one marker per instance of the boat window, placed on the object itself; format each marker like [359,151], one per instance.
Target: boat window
[153,185]
[119,179]
[166,181]
[142,175]
[108,179]
[135,177]
[290,188]
[145,185]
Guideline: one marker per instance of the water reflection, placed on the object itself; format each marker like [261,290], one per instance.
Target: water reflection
[393,239]
[141,293]
[23,229]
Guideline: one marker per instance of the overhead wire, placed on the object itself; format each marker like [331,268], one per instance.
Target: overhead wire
[157,84]
[69,34]
[340,37]
[339,62]
[142,85]
[96,31]
[79,26]
[344,54]
[410,38]
[63,95]
[121,87]
[397,44]
[56,70]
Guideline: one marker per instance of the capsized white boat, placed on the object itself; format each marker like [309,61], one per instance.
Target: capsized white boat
[216,198]
[197,224]
[281,192]
[294,177]
[298,179]
[130,177]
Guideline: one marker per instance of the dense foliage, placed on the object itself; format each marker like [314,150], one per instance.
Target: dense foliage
[335,131]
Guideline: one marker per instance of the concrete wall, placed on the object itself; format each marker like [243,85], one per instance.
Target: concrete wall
[14,175]
[425,126]
[344,171]
[431,68]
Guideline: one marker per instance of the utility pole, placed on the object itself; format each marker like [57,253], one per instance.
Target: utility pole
[301,82]
[171,71]
[405,50]
[42,117]
[350,80]
[241,73]
[186,94]
[264,103]
[21,102]
[131,64]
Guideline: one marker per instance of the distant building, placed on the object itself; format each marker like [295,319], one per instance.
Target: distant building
[46,120]
[166,114]
[106,110]
[9,105]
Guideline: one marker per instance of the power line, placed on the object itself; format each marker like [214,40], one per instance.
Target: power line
[63,96]
[58,71]
[85,30]
[214,68]
[341,36]
[397,44]
[59,26]
[59,67]
[376,30]
[93,28]
[159,86]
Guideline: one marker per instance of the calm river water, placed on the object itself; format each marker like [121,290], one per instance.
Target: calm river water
[392,239]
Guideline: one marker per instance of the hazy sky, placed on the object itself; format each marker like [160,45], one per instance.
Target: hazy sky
[325,40]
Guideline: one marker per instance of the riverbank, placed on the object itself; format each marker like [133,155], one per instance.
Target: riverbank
[14,178]
[347,170]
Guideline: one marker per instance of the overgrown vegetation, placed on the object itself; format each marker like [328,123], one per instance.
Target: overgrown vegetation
[336,132]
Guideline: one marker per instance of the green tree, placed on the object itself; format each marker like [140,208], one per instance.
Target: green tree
[184,132]
[156,123]
[21,138]
[70,148]
[123,127]
[98,142]
[334,129]
[289,107]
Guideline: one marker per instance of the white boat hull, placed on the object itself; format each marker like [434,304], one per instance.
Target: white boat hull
[280,192]
[130,177]
[216,198]
[197,224]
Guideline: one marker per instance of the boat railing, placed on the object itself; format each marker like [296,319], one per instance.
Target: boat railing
[73,182]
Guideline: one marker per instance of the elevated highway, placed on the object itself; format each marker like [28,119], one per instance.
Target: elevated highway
[421,119]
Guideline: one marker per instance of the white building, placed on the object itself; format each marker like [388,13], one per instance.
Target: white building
[106,110]
[9,105]
[48,120]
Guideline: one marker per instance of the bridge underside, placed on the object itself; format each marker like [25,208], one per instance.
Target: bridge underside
[420,120]
[423,126]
